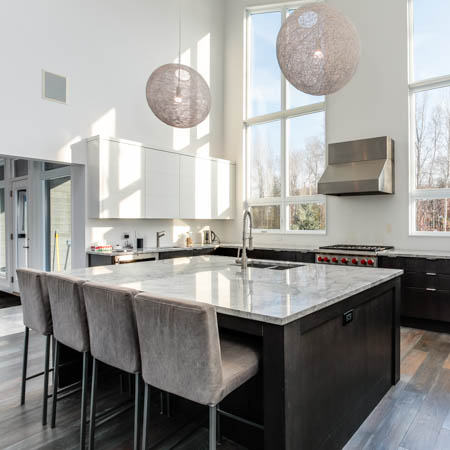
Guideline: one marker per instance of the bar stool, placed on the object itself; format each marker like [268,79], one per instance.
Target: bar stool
[114,341]
[182,353]
[70,328]
[37,316]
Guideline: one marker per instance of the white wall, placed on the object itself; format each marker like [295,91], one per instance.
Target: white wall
[107,49]
[374,103]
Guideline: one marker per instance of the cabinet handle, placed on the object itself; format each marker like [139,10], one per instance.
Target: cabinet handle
[431,289]
[431,273]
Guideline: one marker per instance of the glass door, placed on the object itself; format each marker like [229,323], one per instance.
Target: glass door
[20,236]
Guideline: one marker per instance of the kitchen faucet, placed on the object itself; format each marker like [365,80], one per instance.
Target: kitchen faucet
[245,238]
[159,235]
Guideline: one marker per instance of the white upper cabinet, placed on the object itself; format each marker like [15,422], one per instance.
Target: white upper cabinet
[131,181]
[163,184]
[116,180]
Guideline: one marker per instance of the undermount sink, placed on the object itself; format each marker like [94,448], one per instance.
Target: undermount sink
[271,265]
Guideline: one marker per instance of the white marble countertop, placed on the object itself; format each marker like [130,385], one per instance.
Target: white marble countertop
[273,296]
[432,254]
[150,250]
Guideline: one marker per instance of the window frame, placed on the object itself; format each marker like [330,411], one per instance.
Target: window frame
[283,115]
[415,87]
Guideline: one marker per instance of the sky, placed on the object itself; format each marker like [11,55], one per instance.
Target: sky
[431,38]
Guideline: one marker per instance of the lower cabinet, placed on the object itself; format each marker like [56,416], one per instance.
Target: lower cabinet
[273,255]
[426,289]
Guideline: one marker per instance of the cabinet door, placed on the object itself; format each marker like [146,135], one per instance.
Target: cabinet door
[122,180]
[163,185]
[223,193]
[195,187]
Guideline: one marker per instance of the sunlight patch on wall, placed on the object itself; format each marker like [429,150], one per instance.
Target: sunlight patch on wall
[105,125]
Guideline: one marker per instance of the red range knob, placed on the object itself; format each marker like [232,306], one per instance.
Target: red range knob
[363,261]
[354,261]
[335,260]
[326,259]
[320,259]
[370,262]
[344,260]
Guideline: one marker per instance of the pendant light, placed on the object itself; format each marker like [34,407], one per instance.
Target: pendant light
[318,49]
[177,94]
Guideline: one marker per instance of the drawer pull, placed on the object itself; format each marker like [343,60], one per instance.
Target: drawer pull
[432,274]
[431,289]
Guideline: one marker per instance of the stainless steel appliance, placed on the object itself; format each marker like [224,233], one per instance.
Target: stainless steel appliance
[127,258]
[351,255]
[361,167]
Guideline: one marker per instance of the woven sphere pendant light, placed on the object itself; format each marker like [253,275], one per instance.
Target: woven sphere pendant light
[178,95]
[318,49]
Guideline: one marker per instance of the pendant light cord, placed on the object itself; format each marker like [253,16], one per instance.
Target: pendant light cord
[179,32]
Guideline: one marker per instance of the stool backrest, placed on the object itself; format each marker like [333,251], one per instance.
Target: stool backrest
[112,326]
[35,301]
[180,347]
[68,311]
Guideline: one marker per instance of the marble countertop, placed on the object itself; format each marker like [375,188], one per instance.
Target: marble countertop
[432,254]
[273,296]
[151,250]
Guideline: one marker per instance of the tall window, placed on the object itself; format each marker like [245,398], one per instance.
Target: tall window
[429,85]
[285,136]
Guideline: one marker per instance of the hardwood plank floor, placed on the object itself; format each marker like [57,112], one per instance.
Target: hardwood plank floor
[414,415]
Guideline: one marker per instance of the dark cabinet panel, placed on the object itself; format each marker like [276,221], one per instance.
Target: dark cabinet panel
[175,254]
[202,251]
[226,251]
[426,280]
[426,304]
[307,257]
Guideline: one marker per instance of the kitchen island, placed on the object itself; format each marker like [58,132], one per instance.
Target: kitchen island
[329,338]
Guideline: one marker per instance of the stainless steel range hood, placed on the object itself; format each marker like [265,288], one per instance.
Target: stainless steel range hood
[362,167]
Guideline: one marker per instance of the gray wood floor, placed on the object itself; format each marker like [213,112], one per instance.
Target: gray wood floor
[414,415]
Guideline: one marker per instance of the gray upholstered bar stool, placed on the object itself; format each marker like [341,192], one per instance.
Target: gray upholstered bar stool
[182,353]
[71,329]
[114,341]
[37,316]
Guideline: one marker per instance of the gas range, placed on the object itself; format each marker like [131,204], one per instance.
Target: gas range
[351,255]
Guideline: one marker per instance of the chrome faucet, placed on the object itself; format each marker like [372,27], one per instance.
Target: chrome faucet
[159,235]
[245,238]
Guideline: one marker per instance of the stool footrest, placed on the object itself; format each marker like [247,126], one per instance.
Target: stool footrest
[240,419]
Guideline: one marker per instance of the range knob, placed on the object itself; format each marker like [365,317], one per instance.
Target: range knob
[370,262]
[344,260]
[364,262]
[320,259]
[326,259]
[354,261]
[334,259]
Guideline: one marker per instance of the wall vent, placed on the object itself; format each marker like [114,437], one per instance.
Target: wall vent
[54,87]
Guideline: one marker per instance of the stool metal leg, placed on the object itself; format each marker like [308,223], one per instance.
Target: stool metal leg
[45,395]
[212,427]
[137,410]
[219,432]
[168,403]
[84,400]
[146,421]
[93,404]
[24,366]
[55,384]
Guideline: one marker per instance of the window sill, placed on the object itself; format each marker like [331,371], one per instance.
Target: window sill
[440,234]
[292,232]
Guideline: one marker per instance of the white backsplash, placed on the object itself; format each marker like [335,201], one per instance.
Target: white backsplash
[112,230]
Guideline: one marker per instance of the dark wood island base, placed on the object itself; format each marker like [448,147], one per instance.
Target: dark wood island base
[324,373]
